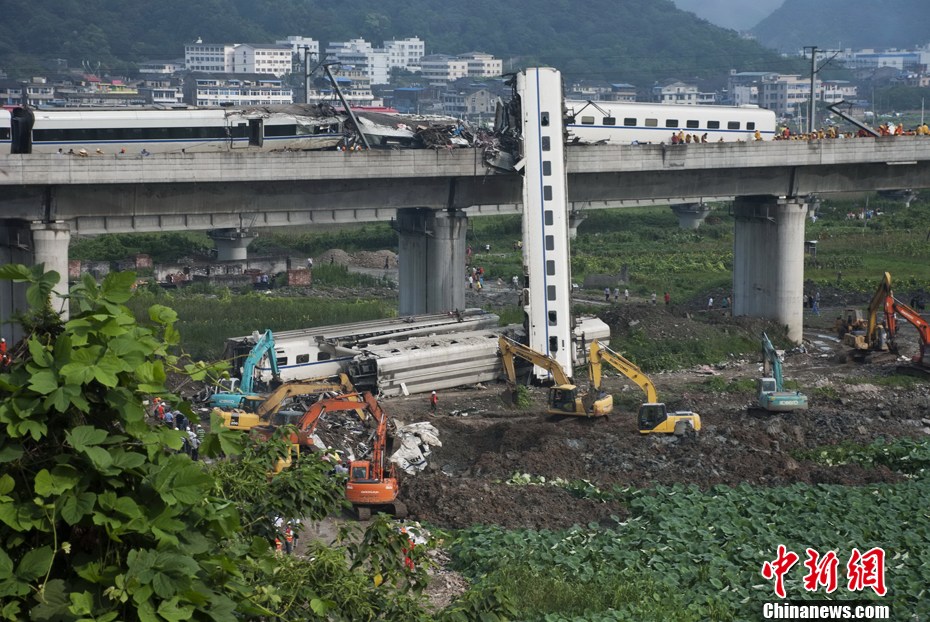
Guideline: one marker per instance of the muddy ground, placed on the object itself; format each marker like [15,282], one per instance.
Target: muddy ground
[485,442]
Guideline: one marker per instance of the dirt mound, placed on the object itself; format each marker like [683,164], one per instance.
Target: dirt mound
[360,259]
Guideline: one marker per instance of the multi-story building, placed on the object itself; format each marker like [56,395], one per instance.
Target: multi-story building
[905,60]
[785,94]
[675,92]
[405,53]
[203,89]
[38,92]
[359,55]
[166,67]
[481,65]
[251,58]
[441,69]
[833,91]
[158,90]
[208,57]
[478,100]
[264,59]
[298,45]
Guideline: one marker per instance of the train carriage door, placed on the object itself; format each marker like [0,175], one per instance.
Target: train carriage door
[21,130]
[256,132]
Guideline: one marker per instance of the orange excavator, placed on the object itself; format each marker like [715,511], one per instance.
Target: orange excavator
[920,363]
[372,483]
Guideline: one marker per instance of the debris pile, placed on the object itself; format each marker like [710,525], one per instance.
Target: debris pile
[416,442]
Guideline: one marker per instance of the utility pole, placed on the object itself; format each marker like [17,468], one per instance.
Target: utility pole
[810,114]
[306,49]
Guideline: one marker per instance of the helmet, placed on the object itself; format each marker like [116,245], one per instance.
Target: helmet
[434,393]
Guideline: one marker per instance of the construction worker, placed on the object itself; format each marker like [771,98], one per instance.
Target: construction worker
[4,357]
[433,403]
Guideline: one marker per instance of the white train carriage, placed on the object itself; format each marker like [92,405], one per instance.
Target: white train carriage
[134,131]
[327,350]
[424,364]
[623,123]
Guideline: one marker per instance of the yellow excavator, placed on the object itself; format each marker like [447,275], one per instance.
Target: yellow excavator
[869,335]
[564,397]
[261,410]
[654,417]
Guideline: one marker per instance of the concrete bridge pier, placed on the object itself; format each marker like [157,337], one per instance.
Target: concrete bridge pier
[768,260]
[575,218]
[690,215]
[15,247]
[431,260]
[50,247]
[232,244]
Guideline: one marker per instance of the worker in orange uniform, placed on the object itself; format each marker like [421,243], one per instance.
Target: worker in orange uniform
[433,403]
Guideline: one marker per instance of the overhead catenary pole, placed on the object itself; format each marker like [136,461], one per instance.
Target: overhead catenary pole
[306,49]
[810,114]
[349,110]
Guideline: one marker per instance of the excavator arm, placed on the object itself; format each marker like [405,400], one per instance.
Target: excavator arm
[263,345]
[510,348]
[879,300]
[600,354]
[771,363]
[912,316]
[276,398]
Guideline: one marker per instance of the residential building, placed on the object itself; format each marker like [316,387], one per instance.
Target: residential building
[254,58]
[786,94]
[472,102]
[405,53]
[298,44]
[622,92]
[209,57]
[215,89]
[675,92]
[905,60]
[359,55]
[440,69]
[38,92]
[166,67]
[481,65]
[355,86]
[158,90]
[833,91]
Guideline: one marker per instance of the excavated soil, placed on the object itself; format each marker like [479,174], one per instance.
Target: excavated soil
[485,442]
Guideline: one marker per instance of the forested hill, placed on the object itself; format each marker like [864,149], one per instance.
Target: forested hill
[846,24]
[618,40]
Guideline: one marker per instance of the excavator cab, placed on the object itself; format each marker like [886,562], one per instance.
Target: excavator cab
[563,398]
[655,419]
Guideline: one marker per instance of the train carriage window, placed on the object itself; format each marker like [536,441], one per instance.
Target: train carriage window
[544,119]
[651,123]
[4,133]
[732,125]
[550,292]
[280,130]
[550,267]
[610,120]
[282,361]
[546,143]
[550,243]
[547,167]
[323,356]
[548,217]
[587,120]
[553,318]
[256,135]
[671,123]
[713,125]
[691,124]
[547,193]
[750,125]
[302,359]
[629,122]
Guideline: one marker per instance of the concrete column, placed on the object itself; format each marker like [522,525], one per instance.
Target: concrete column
[231,244]
[768,260]
[575,218]
[50,247]
[15,247]
[431,260]
[690,215]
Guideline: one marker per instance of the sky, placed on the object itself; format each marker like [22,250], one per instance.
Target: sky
[733,14]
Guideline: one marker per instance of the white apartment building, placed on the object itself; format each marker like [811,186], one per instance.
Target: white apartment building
[676,93]
[405,53]
[358,54]
[833,91]
[298,44]
[263,59]
[210,57]
[441,69]
[913,60]
[481,65]
[235,90]
[166,67]
[251,58]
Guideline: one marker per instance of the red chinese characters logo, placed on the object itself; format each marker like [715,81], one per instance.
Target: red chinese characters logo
[863,570]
